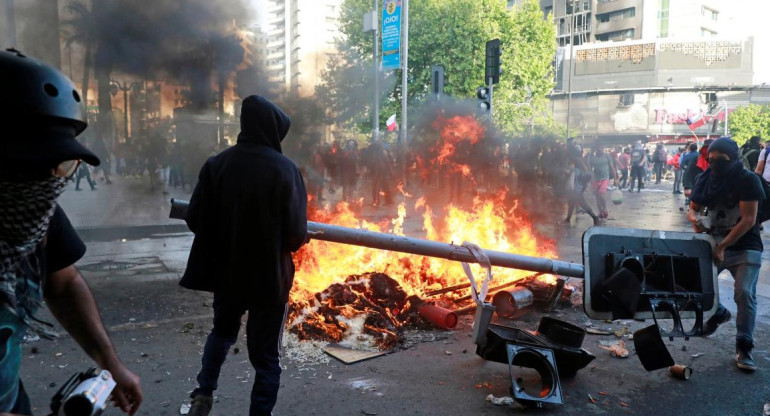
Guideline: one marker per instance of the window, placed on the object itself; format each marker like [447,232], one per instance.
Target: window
[663,19]
[709,13]
[707,33]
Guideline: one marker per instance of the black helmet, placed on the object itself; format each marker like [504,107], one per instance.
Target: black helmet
[33,92]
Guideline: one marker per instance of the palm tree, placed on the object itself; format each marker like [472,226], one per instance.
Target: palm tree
[82,31]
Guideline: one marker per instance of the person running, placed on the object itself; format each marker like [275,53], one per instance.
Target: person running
[602,169]
[732,195]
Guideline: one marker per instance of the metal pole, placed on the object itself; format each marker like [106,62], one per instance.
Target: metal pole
[491,87]
[376,34]
[125,108]
[383,241]
[724,103]
[404,72]
[11,17]
[571,60]
[392,242]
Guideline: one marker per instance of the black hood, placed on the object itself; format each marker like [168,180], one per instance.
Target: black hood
[262,122]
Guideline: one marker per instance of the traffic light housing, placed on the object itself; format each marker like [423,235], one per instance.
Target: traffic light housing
[485,99]
[492,66]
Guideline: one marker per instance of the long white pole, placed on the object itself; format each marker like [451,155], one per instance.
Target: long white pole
[376,115]
[404,72]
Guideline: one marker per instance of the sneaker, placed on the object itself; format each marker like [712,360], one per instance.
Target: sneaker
[710,327]
[201,405]
[743,358]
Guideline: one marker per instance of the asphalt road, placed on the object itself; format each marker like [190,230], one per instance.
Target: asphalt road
[159,329]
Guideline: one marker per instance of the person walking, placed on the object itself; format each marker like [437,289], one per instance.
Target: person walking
[732,195]
[659,162]
[750,152]
[638,167]
[624,162]
[602,169]
[675,165]
[248,213]
[695,166]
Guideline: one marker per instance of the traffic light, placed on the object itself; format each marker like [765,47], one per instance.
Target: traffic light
[492,67]
[485,99]
[437,80]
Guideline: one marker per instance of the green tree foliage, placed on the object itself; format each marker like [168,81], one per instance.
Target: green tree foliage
[750,120]
[450,33]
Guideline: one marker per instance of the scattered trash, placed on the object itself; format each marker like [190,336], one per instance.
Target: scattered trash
[368,413]
[58,354]
[447,352]
[31,338]
[188,327]
[185,409]
[623,331]
[766,410]
[616,348]
[592,399]
[680,371]
[595,331]
[499,401]
[698,355]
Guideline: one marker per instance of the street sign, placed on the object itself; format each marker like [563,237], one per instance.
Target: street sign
[391,34]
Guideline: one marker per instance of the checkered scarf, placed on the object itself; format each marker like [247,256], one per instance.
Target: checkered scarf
[25,212]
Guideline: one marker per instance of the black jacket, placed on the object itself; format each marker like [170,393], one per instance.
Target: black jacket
[248,213]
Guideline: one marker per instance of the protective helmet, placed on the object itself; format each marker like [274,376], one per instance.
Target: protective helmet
[35,93]
[32,88]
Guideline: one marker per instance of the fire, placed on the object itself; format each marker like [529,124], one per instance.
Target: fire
[489,223]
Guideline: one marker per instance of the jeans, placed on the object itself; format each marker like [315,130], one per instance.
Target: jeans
[623,177]
[677,180]
[264,330]
[658,171]
[744,266]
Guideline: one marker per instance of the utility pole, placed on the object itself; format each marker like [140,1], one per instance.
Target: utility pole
[370,25]
[405,70]
[571,64]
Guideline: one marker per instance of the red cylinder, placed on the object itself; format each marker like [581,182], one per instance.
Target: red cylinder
[438,316]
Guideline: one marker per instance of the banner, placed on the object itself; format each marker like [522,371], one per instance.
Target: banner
[391,34]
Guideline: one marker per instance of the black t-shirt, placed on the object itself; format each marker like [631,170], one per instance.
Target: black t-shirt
[61,248]
[725,212]
[63,245]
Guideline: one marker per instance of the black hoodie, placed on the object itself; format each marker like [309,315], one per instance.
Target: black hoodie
[248,212]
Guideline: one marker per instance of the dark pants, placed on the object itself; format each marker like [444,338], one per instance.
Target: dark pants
[264,329]
[623,177]
[658,171]
[83,172]
[637,172]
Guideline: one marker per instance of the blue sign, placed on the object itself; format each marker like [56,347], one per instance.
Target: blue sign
[391,34]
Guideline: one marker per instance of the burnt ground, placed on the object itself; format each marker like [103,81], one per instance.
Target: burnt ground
[159,329]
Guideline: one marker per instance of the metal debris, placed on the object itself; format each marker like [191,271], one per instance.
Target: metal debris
[499,401]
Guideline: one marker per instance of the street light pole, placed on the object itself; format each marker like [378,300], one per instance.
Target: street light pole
[571,64]
[125,87]
[404,72]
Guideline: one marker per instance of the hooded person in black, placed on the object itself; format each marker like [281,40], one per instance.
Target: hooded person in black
[248,213]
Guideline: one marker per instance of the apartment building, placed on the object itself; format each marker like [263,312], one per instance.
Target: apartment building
[300,40]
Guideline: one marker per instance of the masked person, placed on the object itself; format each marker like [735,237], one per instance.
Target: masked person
[732,195]
[249,213]
[38,245]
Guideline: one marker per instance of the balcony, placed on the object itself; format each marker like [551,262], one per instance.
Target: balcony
[616,25]
[616,5]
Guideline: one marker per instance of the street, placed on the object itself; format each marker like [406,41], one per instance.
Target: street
[159,329]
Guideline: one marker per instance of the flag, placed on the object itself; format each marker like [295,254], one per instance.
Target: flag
[391,123]
[696,121]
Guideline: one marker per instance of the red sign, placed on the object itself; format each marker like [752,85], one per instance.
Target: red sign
[663,116]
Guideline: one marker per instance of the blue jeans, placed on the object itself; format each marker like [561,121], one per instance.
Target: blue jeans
[677,180]
[744,266]
[264,330]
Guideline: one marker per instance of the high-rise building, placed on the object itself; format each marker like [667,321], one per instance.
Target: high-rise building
[588,21]
[300,40]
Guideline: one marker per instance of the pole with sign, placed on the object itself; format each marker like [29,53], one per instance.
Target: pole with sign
[391,34]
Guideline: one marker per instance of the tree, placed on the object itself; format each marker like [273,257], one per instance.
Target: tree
[81,30]
[750,120]
[451,33]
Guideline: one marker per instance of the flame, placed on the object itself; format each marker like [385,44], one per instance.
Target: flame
[490,224]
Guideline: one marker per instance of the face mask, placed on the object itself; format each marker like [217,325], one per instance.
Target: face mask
[720,166]
[25,208]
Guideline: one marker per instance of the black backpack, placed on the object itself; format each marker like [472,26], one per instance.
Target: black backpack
[763,212]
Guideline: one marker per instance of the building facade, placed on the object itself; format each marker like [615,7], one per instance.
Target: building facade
[647,89]
[300,40]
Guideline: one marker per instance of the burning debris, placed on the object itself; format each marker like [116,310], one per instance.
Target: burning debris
[365,312]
